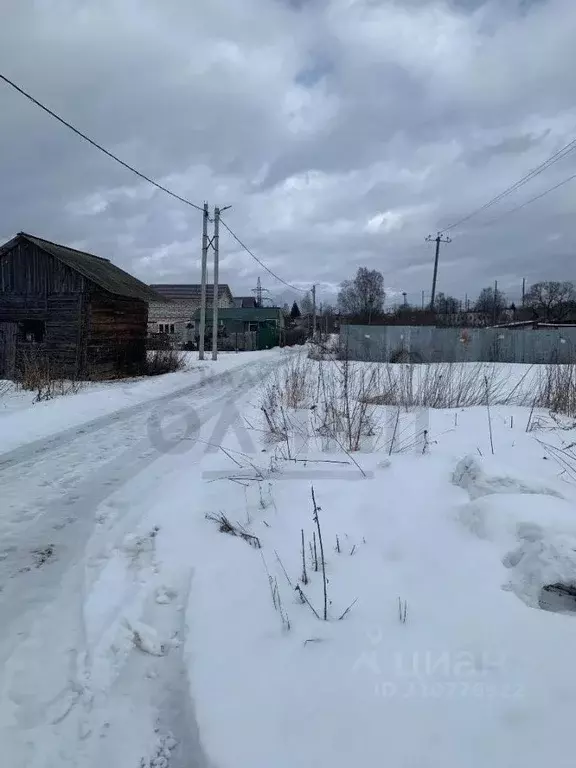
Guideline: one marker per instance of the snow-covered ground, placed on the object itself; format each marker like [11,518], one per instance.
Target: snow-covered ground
[23,421]
[74,565]
[137,633]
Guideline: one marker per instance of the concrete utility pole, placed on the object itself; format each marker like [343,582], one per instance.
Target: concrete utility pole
[314,311]
[438,239]
[216,244]
[203,286]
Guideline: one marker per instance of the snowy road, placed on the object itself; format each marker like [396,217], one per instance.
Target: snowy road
[69,504]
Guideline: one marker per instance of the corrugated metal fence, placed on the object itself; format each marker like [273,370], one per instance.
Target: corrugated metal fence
[427,344]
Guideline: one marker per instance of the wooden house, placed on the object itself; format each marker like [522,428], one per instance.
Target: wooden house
[76,312]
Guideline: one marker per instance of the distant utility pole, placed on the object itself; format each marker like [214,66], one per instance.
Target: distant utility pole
[203,286]
[438,239]
[422,299]
[494,302]
[314,311]
[405,299]
[523,291]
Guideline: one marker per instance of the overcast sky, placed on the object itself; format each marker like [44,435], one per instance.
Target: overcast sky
[342,132]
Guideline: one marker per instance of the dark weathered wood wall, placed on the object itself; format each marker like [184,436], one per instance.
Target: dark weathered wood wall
[27,271]
[7,350]
[117,329]
[35,286]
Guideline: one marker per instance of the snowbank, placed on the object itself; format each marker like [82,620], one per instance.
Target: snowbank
[438,662]
[174,641]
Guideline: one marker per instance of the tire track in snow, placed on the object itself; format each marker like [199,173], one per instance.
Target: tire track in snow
[31,452]
[68,521]
[45,604]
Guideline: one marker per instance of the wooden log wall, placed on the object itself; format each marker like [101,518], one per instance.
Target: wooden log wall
[88,332]
[116,334]
[35,286]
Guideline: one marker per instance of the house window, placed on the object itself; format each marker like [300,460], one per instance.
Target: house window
[252,327]
[31,331]
[166,328]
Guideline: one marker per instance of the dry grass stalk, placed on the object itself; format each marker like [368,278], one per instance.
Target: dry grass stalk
[323,562]
[347,611]
[304,599]
[225,526]
[557,389]
[489,415]
[304,578]
[402,610]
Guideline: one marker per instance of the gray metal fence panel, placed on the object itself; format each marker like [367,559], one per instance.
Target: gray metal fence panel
[426,344]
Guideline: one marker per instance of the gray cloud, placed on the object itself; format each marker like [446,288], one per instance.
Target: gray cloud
[341,133]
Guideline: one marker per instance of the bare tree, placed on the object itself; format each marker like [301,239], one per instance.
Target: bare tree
[446,305]
[363,296]
[490,304]
[306,304]
[551,299]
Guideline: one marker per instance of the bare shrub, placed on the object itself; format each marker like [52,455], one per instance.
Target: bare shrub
[37,373]
[158,341]
[161,361]
[324,347]
[447,385]
[297,391]
[345,409]
[334,393]
[339,399]
[556,389]
[293,336]
[291,388]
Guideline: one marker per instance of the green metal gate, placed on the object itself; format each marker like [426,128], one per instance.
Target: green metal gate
[267,337]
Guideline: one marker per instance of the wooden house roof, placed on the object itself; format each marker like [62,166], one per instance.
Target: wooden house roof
[99,271]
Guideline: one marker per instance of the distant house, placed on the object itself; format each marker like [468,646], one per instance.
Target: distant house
[244,302]
[173,316]
[77,312]
[246,327]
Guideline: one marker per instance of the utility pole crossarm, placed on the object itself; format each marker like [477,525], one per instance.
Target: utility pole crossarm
[438,239]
